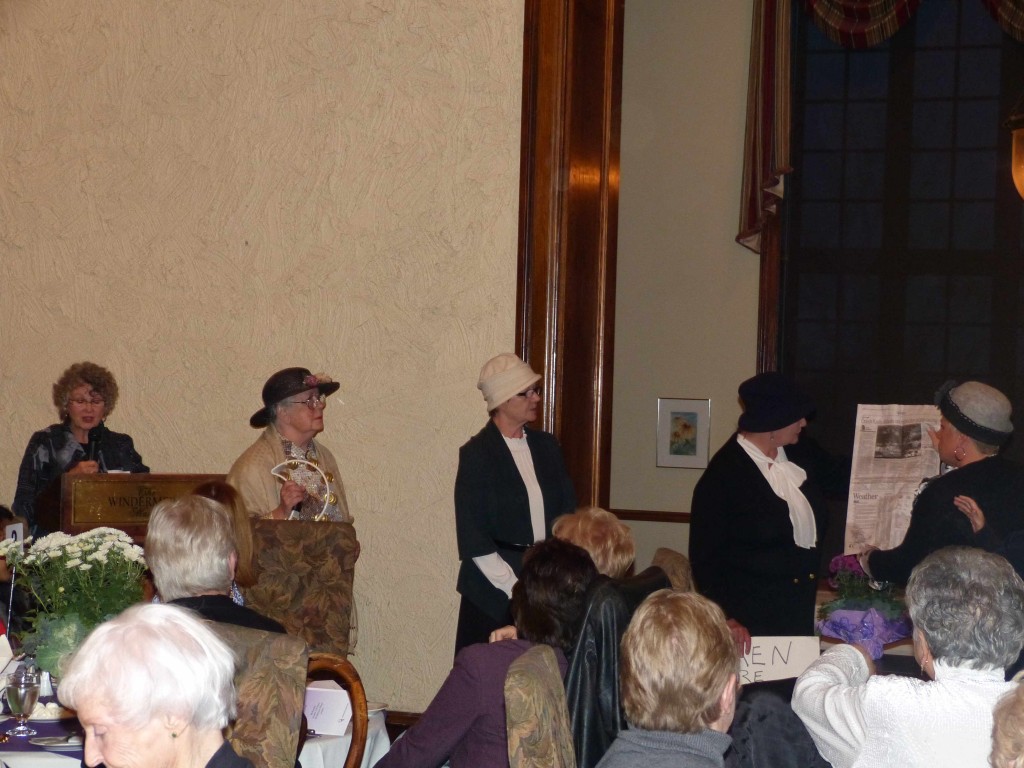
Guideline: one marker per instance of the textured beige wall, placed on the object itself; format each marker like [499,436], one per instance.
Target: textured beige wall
[686,308]
[198,193]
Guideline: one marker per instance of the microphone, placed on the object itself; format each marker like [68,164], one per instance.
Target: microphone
[94,441]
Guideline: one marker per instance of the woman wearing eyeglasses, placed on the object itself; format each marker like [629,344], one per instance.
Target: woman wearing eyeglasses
[511,485]
[291,417]
[84,395]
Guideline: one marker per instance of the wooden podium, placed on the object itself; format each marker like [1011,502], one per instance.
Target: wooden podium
[117,500]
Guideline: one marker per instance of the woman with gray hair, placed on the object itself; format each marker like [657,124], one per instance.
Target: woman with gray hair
[191,551]
[968,612]
[975,423]
[153,687]
[292,416]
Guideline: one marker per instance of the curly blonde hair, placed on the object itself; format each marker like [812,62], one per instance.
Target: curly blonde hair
[98,378]
[1008,731]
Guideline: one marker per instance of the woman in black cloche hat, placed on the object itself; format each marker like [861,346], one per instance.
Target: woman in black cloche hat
[757,517]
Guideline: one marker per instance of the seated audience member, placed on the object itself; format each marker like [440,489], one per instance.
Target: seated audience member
[241,528]
[465,723]
[968,612]
[190,549]
[153,686]
[1008,731]
[678,681]
[592,691]
[607,539]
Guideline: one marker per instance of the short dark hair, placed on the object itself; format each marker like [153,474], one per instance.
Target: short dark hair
[549,599]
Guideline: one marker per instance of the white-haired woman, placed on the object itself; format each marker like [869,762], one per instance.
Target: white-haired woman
[968,612]
[190,548]
[510,487]
[153,689]
[678,676]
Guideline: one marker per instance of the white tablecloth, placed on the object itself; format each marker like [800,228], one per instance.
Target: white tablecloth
[317,752]
[330,751]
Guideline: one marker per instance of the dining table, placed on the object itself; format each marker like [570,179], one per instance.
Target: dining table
[319,751]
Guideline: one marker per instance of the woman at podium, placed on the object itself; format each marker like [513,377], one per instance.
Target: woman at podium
[84,395]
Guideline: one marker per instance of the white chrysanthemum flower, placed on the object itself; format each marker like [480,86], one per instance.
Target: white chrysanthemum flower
[74,563]
[84,567]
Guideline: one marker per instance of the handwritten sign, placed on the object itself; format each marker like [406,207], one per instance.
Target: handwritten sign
[777,658]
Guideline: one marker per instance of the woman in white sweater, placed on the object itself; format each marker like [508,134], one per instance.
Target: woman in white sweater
[968,612]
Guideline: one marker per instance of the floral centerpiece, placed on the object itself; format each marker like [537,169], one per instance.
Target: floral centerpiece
[866,613]
[75,583]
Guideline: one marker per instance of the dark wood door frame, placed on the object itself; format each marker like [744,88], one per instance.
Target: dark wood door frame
[568,224]
[568,232]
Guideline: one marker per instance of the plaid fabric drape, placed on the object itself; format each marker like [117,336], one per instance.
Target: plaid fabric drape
[766,145]
[860,23]
[1010,16]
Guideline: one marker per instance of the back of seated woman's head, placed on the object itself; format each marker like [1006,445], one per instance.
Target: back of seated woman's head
[606,538]
[189,543]
[550,596]
[153,661]
[969,606]
[1008,730]
[677,658]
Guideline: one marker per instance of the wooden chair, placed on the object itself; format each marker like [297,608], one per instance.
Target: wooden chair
[676,566]
[536,714]
[270,682]
[324,666]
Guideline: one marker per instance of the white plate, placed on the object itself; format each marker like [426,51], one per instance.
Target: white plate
[375,706]
[58,743]
[67,713]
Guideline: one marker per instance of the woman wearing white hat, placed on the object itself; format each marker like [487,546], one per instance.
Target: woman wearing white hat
[510,487]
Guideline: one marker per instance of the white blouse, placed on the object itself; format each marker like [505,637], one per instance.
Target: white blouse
[888,721]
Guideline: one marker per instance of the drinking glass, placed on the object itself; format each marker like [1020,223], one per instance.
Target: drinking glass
[22,691]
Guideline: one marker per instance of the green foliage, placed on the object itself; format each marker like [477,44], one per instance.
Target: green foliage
[76,582]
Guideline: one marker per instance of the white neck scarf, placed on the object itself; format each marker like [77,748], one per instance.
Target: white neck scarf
[785,478]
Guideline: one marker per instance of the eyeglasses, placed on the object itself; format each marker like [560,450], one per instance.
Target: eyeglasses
[81,402]
[311,402]
[534,390]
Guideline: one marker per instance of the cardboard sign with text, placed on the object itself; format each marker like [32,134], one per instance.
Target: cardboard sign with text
[777,658]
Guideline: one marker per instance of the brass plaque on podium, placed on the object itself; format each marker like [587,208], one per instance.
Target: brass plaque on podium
[119,500]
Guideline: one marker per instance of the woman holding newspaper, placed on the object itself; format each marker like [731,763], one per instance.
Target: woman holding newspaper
[975,423]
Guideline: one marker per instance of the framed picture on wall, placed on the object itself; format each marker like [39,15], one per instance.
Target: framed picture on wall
[684,429]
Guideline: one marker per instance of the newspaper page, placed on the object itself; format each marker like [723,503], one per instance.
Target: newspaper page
[892,455]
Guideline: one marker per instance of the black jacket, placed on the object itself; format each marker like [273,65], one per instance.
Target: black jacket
[592,682]
[492,508]
[742,549]
[998,487]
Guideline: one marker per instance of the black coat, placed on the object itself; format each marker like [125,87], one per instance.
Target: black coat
[998,487]
[742,550]
[491,506]
[592,681]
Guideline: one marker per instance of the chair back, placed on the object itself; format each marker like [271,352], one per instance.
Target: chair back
[676,566]
[536,714]
[270,682]
[328,666]
[304,573]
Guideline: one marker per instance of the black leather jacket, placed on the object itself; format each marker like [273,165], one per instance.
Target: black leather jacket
[592,682]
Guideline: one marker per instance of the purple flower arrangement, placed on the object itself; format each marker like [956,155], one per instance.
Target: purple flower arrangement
[865,613]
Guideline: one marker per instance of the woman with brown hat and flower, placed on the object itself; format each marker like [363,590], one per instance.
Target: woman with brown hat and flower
[291,417]
[510,487]
[975,423]
[758,514]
